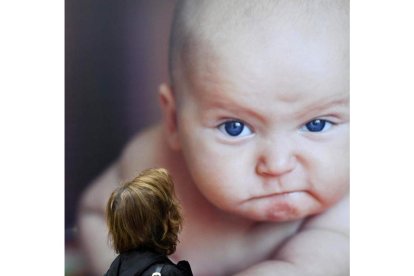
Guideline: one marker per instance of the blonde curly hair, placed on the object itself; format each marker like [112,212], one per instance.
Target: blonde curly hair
[145,213]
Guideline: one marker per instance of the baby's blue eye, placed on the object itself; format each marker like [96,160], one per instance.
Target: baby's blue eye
[234,128]
[318,125]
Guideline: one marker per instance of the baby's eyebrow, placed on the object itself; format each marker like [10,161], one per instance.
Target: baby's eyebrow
[238,108]
[318,107]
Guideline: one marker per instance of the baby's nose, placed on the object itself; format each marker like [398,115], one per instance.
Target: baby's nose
[276,159]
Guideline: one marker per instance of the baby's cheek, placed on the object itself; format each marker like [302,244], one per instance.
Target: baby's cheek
[330,183]
[335,194]
[213,181]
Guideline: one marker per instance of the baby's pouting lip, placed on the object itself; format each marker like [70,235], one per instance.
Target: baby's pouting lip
[281,195]
[278,206]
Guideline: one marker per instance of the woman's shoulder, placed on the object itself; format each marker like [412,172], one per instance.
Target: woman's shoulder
[168,268]
[182,268]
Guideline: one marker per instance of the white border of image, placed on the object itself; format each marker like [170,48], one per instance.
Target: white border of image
[32,139]
[382,138]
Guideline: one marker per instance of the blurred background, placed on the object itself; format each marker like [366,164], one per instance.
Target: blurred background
[115,59]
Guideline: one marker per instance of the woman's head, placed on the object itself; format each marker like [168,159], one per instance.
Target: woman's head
[145,213]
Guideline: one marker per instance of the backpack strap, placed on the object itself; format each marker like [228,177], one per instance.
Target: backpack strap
[158,269]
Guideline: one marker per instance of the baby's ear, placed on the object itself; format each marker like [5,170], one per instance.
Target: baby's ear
[168,106]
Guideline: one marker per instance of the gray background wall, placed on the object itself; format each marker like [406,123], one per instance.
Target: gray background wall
[115,58]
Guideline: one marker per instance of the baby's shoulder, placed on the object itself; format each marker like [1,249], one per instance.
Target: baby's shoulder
[147,149]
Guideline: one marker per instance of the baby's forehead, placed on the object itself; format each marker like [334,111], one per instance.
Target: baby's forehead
[239,33]
[216,18]
[214,24]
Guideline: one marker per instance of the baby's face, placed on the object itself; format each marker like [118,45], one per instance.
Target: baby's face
[264,124]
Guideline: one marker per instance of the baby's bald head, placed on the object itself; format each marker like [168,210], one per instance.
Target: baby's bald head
[205,31]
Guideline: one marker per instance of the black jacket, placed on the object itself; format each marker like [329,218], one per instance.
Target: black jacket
[143,263]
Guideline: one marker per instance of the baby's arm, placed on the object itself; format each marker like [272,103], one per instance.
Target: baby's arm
[92,225]
[321,247]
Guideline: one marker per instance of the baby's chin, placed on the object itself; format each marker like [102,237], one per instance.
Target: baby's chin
[279,207]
